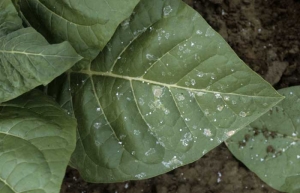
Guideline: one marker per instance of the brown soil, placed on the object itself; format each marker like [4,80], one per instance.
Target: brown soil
[266,35]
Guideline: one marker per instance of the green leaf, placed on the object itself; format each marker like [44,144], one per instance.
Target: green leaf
[26,58]
[88,24]
[165,90]
[270,146]
[37,138]
[9,20]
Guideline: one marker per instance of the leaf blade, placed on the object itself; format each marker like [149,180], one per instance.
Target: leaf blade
[8,18]
[269,145]
[27,61]
[86,25]
[143,109]
[37,140]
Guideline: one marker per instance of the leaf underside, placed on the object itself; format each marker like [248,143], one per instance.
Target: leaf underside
[37,138]
[164,91]
[88,25]
[270,146]
[26,58]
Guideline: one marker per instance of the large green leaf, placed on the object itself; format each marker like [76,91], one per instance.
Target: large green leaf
[37,138]
[87,24]
[164,91]
[26,58]
[270,146]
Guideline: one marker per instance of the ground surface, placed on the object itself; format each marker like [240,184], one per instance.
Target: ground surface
[266,35]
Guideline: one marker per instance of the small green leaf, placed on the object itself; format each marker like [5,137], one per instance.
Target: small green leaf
[270,146]
[37,138]
[87,25]
[165,90]
[26,58]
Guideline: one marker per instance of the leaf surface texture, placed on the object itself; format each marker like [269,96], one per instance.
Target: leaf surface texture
[87,24]
[270,145]
[27,60]
[164,91]
[37,138]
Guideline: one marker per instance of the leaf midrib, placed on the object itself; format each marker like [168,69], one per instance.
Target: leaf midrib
[34,54]
[140,79]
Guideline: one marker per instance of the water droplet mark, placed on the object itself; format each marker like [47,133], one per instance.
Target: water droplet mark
[207,132]
[136,132]
[173,163]
[167,10]
[97,125]
[140,176]
[220,107]
[150,151]
[243,114]
[179,97]
[186,139]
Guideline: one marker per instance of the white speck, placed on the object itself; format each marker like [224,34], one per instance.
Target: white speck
[150,57]
[262,159]
[97,125]
[207,132]
[219,177]
[140,176]
[193,82]
[187,138]
[230,133]
[180,97]
[120,142]
[125,23]
[226,98]
[199,32]
[126,186]
[167,10]
[220,107]
[136,132]
[259,30]
[157,91]
[243,114]
[223,12]
[187,119]
[200,74]
[209,32]
[200,93]
[141,101]
[298,156]
[294,134]
[98,109]
[150,151]
[206,112]
[218,96]
[167,111]
[174,162]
